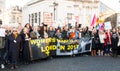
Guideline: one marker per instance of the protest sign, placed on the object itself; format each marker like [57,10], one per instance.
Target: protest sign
[107,25]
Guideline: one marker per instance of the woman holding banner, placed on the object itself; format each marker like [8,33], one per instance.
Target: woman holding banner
[25,41]
[35,33]
[58,34]
[29,27]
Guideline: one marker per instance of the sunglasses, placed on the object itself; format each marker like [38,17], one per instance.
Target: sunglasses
[14,31]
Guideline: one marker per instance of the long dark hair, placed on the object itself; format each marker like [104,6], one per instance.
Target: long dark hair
[30,27]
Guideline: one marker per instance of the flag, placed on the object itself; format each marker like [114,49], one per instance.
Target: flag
[100,26]
[97,22]
[93,20]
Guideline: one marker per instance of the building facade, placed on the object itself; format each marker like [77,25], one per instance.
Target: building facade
[11,16]
[2,8]
[108,14]
[114,19]
[105,11]
[2,5]
[60,12]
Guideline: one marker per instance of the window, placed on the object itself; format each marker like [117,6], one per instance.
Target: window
[32,19]
[18,20]
[35,17]
[69,16]
[13,19]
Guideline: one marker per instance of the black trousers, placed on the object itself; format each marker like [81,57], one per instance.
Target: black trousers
[114,52]
[1,56]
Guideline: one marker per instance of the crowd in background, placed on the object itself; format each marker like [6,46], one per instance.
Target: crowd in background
[104,42]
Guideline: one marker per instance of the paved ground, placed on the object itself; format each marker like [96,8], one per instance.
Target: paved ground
[79,63]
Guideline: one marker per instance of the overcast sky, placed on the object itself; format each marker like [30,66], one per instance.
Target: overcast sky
[111,3]
[114,4]
[16,2]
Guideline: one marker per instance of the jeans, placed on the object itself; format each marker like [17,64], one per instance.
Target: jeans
[107,49]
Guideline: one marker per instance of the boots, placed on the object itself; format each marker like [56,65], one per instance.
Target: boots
[14,66]
[94,52]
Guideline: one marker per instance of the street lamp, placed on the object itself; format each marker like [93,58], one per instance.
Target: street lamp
[55,6]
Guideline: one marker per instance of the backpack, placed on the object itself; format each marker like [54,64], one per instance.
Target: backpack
[72,35]
[77,34]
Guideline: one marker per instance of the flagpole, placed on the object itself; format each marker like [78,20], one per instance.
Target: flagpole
[92,13]
[93,16]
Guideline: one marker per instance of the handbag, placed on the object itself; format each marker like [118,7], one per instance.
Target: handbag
[96,41]
[118,43]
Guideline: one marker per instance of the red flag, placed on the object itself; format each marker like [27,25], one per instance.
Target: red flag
[93,20]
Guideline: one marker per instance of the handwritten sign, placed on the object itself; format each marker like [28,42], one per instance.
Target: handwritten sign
[107,25]
[2,32]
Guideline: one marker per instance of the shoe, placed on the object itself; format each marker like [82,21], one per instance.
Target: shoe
[2,66]
[26,63]
[108,54]
[15,67]
[12,68]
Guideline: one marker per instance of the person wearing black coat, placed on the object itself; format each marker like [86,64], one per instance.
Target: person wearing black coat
[64,33]
[95,43]
[25,43]
[114,41]
[13,47]
[51,32]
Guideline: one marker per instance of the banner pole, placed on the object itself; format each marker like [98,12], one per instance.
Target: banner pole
[31,56]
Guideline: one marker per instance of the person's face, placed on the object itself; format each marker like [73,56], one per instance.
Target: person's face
[101,31]
[15,32]
[65,28]
[36,28]
[94,31]
[58,31]
[83,29]
[119,31]
[114,30]
[80,30]
[51,28]
[28,26]
[45,28]
[26,30]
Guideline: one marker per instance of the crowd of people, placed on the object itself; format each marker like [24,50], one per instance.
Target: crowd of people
[104,42]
